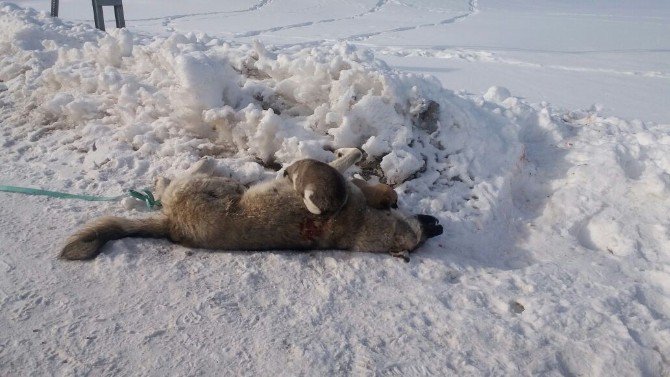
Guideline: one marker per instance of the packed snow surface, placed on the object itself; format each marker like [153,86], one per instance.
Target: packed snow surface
[555,259]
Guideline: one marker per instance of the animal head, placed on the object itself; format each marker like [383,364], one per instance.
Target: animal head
[411,232]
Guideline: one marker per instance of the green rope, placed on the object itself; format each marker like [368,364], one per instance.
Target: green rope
[146,196]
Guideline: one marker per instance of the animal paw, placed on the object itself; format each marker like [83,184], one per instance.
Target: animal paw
[403,254]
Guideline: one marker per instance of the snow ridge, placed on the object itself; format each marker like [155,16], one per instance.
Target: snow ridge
[492,57]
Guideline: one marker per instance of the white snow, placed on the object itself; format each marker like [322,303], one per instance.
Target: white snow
[555,258]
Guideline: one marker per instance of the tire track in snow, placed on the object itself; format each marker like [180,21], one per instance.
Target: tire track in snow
[473,6]
[654,74]
[380,4]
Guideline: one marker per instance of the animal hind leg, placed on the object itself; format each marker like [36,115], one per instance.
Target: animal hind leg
[160,184]
[346,157]
[205,166]
[219,188]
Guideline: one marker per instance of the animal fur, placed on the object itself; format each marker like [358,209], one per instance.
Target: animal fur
[211,212]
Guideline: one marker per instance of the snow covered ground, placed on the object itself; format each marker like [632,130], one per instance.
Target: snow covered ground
[555,258]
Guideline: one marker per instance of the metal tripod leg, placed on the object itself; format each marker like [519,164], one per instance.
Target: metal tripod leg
[98,17]
[118,15]
[98,14]
[54,8]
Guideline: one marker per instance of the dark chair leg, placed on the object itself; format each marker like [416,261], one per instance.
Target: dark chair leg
[98,18]
[54,8]
[118,15]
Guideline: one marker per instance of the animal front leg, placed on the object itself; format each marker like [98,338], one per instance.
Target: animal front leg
[402,254]
[379,196]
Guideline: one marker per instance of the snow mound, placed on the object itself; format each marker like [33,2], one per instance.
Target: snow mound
[150,106]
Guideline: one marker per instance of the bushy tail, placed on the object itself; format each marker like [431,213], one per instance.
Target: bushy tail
[86,243]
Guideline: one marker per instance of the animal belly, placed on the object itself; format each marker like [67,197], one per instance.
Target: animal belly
[273,234]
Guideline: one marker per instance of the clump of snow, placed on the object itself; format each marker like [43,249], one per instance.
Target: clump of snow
[398,166]
[497,94]
[528,195]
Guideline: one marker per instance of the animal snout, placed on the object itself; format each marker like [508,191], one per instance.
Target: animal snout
[430,225]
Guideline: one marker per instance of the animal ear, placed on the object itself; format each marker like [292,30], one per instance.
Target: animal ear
[307,199]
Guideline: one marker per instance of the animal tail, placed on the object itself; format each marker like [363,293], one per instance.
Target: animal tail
[86,243]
